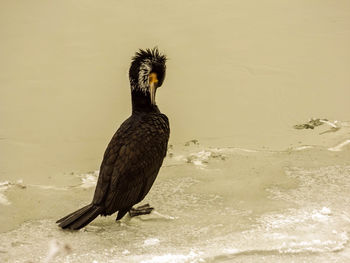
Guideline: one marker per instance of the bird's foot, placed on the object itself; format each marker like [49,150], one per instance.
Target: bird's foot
[140,210]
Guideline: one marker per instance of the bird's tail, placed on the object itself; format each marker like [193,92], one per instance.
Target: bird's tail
[80,218]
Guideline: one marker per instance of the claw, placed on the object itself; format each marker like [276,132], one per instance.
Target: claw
[140,210]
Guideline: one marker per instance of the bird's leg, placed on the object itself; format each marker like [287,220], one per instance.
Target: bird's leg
[121,213]
[140,210]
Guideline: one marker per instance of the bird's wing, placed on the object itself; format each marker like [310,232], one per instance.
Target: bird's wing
[131,163]
[110,156]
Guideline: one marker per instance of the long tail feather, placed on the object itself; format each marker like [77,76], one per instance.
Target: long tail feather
[80,218]
[83,209]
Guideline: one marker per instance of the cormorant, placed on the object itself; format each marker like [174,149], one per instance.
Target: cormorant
[135,154]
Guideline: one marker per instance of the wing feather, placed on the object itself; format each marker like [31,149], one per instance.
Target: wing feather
[131,162]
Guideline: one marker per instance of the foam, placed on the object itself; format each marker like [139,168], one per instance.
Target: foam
[3,187]
[191,225]
[89,179]
[174,258]
[339,147]
[151,242]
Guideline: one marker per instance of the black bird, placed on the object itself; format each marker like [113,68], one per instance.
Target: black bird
[135,154]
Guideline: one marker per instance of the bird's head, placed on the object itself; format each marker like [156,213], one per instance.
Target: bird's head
[147,72]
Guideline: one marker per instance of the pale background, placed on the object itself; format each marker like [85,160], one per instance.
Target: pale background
[245,70]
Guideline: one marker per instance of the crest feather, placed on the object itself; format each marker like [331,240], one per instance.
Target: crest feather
[151,54]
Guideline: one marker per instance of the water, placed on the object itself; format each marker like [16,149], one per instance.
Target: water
[241,74]
[213,204]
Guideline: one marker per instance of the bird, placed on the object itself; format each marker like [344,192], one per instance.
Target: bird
[135,154]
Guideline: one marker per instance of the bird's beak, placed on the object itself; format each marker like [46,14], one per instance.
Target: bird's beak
[153,83]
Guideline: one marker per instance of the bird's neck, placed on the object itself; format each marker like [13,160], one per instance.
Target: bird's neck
[141,102]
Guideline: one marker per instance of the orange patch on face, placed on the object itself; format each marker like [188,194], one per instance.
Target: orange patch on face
[153,78]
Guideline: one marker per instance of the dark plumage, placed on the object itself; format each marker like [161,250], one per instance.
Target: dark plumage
[135,154]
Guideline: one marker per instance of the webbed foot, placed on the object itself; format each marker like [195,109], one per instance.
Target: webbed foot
[140,210]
